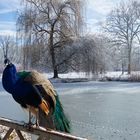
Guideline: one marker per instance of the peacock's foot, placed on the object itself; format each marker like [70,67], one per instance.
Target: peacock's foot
[37,124]
[31,124]
[28,125]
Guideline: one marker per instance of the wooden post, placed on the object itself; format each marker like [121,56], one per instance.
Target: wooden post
[41,132]
[8,134]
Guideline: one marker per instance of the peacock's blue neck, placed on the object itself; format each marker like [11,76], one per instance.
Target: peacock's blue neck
[9,78]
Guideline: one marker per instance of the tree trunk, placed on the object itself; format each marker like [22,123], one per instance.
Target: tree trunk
[52,52]
[129,61]
[55,73]
[122,68]
[129,68]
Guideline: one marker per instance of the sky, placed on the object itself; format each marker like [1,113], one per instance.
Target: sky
[8,16]
[95,12]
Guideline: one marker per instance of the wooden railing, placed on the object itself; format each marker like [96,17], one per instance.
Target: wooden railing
[48,134]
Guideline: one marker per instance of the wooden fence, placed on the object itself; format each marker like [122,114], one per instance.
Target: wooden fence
[48,134]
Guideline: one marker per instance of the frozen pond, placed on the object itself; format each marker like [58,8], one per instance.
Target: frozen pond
[103,110]
[98,110]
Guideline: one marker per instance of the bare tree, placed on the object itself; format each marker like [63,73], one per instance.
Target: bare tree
[123,23]
[55,22]
[9,48]
[5,42]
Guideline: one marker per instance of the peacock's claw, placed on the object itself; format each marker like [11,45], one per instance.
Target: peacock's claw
[28,126]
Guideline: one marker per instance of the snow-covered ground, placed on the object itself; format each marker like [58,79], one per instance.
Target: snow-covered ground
[98,110]
[69,75]
[110,75]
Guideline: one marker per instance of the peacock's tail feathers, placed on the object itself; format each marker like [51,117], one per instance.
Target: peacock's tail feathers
[61,121]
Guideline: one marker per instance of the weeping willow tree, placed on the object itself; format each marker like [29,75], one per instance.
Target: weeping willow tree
[51,23]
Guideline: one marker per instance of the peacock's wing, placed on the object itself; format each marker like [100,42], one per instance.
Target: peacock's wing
[44,87]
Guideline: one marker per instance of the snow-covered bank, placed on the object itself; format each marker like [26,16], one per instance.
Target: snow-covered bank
[71,77]
[83,77]
[118,76]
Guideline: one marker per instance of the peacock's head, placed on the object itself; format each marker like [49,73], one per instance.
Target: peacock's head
[7,62]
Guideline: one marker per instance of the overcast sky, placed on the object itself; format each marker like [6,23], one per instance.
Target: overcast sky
[95,12]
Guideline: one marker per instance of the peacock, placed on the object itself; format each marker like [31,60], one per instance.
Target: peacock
[36,94]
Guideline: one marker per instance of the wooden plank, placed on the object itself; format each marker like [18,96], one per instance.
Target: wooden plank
[8,134]
[20,135]
[47,133]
